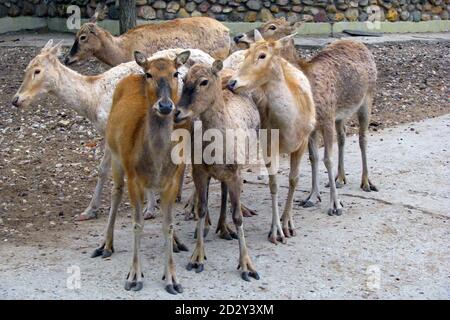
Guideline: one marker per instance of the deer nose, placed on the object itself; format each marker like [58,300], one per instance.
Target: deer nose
[238,37]
[231,84]
[165,107]
[15,101]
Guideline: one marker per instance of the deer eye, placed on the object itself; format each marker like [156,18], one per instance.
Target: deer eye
[272,27]
[148,75]
[262,56]
[176,74]
[83,37]
[37,72]
[204,83]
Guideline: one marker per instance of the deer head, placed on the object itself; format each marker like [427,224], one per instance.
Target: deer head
[161,80]
[256,68]
[201,87]
[271,30]
[40,75]
[87,40]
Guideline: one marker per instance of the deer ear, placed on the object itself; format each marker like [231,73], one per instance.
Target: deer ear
[140,58]
[56,49]
[258,36]
[48,45]
[100,12]
[296,24]
[283,42]
[182,57]
[217,66]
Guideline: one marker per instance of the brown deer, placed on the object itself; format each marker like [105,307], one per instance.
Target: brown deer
[223,111]
[288,108]
[201,33]
[138,133]
[343,79]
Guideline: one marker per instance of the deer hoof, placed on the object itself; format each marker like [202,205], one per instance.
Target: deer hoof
[335,212]
[97,252]
[178,288]
[225,236]
[307,204]
[246,275]
[200,268]
[368,187]
[247,212]
[170,289]
[339,185]
[107,253]
[134,285]
[182,247]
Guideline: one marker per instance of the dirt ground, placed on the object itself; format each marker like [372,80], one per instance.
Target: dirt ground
[48,160]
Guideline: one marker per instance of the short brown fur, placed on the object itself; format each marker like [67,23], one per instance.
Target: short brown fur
[138,134]
[343,79]
[202,33]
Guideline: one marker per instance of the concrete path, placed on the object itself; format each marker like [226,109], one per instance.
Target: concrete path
[40,39]
[392,244]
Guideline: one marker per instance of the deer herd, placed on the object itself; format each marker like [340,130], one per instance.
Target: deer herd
[163,77]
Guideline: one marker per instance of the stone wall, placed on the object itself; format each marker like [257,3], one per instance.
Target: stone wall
[247,10]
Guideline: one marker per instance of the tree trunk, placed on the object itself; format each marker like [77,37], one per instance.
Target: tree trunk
[127,16]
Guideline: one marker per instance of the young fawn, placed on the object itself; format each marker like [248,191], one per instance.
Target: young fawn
[138,134]
[289,108]
[343,80]
[220,110]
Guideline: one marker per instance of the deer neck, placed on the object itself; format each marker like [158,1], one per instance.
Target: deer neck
[158,134]
[289,53]
[112,50]
[78,92]
[209,116]
[280,96]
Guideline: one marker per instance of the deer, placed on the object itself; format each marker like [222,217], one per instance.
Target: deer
[88,96]
[343,79]
[221,110]
[138,134]
[204,33]
[288,107]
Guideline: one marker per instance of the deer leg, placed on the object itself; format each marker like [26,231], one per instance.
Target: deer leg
[198,256]
[150,208]
[208,218]
[340,178]
[107,248]
[287,218]
[134,280]
[363,118]
[314,195]
[225,232]
[190,209]
[180,186]
[245,263]
[103,170]
[168,198]
[276,224]
[335,204]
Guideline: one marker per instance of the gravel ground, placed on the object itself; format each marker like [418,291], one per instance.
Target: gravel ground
[48,155]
